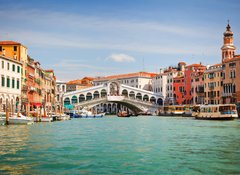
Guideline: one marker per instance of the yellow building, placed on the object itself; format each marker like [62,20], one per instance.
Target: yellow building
[18,52]
[213,84]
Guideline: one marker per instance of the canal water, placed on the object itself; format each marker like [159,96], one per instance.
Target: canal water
[112,145]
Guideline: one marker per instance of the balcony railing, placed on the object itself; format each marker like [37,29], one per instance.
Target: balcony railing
[226,94]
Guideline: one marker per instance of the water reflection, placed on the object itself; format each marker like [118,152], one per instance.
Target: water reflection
[13,140]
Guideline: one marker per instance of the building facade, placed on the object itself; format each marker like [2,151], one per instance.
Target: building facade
[141,80]
[10,86]
[213,84]
[231,69]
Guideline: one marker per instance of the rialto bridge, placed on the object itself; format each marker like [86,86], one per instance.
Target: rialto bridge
[114,95]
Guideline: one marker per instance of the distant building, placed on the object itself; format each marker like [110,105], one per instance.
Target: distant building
[189,71]
[141,80]
[163,83]
[61,88]
[197,90]
[80,84]
[213,84]
[178,89]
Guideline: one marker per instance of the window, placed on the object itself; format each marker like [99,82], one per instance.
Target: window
[8,82]
[3,81]
[8,66]
[2,64]
[0,48]
[18,69]
[13,67]
[18,83]
[13,83]
[14,48]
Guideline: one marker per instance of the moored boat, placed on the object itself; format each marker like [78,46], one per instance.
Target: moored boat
[123,114]
[46,119]
[217,112]
[2,118]
[20,119]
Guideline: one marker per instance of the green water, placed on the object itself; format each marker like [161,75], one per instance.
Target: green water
[111,145]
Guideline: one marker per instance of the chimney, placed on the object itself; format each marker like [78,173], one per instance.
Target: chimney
[161,70]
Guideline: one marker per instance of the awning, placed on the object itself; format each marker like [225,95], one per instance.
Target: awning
[36,104]
[69,106]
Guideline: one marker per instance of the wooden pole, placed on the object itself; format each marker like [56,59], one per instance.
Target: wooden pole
[7,114]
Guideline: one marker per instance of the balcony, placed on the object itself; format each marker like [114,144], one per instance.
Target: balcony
[211,96]
[24,100]
[211,87]
[227,94]
[24,88]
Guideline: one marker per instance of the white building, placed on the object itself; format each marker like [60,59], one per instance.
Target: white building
[163,82]
[10,85]
[141,80]
[61,89]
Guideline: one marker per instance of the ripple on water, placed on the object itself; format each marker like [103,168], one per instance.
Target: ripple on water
[111,145]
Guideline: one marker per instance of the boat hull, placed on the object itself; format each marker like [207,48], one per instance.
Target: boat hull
[20,121]
[215,118]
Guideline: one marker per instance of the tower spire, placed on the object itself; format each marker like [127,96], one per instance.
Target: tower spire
[228,49]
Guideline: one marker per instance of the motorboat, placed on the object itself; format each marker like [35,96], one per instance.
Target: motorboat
[84,113]
[20,119]
[2,118]
[123,114]
[46,119]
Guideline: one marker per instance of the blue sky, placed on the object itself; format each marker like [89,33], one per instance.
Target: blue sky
[98,38]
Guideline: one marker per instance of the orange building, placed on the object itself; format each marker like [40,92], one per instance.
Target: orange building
[178,89]
[191,69]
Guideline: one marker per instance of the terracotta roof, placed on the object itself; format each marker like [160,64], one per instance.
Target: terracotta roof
[195,65]
[182,62]
[9,43]
[81,81]
[137,74]
[235,58]
[49,70]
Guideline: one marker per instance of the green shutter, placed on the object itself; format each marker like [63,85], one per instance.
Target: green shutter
[17,84]
[3,81]
[13,83]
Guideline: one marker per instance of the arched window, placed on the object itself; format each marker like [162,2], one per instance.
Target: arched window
[96,94]
[89,96]
[74,100]
[66,101]
[103,93]
[125,93]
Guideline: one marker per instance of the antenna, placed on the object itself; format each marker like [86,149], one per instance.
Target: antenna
[143,66]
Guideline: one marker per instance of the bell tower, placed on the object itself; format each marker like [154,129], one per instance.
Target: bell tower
[228,49]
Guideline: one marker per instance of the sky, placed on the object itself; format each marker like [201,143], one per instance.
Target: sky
[81,38]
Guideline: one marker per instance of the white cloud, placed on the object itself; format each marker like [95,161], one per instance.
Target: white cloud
[121,58]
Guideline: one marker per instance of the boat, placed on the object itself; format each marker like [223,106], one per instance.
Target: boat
[195,110]
[61,117]
[188,110]
[20,119]
[173,110]
[2,118]
[123,114]
[217,112]
[46,119]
